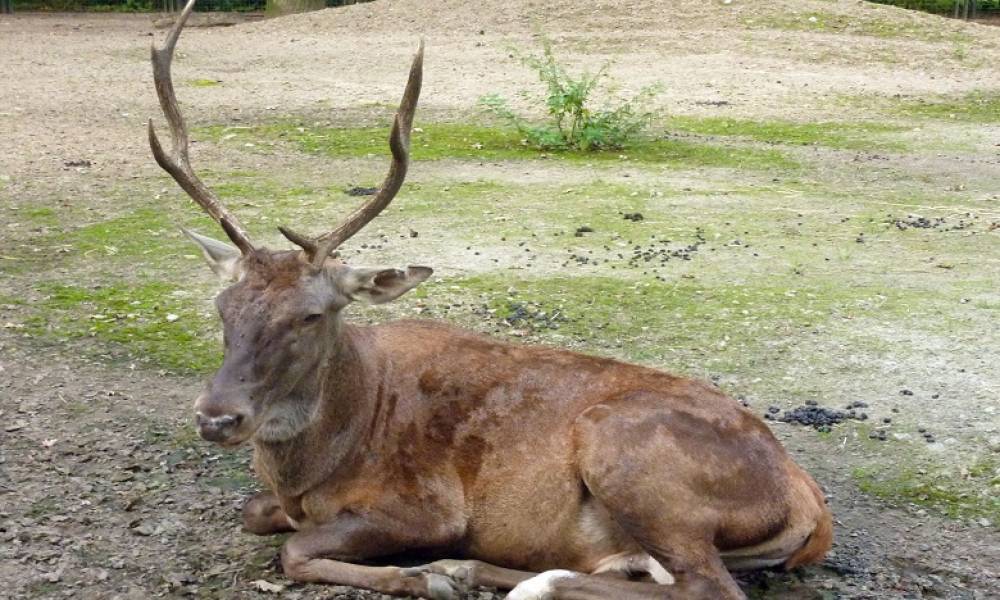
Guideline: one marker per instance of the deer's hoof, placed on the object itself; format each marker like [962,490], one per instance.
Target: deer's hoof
[440,587]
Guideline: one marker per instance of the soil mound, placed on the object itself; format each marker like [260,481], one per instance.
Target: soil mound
[508,16]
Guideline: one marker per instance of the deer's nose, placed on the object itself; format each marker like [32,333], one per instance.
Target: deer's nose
[220,428]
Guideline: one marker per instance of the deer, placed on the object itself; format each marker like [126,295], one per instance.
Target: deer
[549,473]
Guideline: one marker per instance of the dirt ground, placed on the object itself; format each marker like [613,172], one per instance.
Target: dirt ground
[105,490]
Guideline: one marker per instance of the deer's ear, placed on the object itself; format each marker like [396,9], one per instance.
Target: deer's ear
[220,256]
[377,286]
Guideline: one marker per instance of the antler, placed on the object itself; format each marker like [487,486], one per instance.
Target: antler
[399,142]
[177,162]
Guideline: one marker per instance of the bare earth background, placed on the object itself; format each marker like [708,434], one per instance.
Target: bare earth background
[838,161]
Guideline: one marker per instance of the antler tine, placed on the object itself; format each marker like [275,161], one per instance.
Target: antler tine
[298,239]
[399,143]
[177,163]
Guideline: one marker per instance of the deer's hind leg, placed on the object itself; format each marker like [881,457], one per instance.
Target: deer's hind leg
[660,491]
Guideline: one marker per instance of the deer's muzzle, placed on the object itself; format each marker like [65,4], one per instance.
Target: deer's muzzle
[223,429]
[222,420]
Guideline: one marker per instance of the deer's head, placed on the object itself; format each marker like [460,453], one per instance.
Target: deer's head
[281,312]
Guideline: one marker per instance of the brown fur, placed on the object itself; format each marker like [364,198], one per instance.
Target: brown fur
[427,437]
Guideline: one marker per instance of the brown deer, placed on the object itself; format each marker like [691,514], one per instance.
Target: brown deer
[613,480]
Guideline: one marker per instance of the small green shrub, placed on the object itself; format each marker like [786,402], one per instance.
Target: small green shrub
[573,124]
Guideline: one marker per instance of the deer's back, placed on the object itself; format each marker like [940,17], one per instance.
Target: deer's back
[507,387]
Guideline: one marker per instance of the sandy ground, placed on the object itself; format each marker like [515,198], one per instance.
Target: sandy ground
[95,499]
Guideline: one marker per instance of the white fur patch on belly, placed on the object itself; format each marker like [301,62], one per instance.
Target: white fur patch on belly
[539,587]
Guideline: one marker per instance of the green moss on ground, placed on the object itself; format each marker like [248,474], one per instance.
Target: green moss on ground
[863,25]
[845,135]
[438,141]
[981,106]
[204,83]
[976,493]
[662,322]
[38,215]
[151,323]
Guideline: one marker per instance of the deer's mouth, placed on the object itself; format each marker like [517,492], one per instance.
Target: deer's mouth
[234,442]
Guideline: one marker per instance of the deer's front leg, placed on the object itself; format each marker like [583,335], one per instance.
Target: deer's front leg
[320,555]
[471,574]
[263,515]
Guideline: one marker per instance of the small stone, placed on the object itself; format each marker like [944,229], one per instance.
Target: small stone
[267,586]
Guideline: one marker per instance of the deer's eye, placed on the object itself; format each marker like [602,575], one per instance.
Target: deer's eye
[310,319]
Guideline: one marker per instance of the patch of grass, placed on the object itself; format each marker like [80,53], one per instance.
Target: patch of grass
[12,300]
[40,215]
[204,83]
[869,26]
[44,506]
[233,474]
[185,437]
[475,142]
[41,588]
[977,494]
[131,234]
[504,207]
[851,136]
[150,235]
[150,323]
[982,106]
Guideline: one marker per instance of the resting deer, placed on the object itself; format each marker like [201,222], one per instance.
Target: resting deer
[612,480]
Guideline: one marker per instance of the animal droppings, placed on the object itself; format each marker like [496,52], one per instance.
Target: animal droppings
[818,417]
[360,191]
[939,223]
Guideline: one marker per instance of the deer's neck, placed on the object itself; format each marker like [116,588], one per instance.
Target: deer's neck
[342,406]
